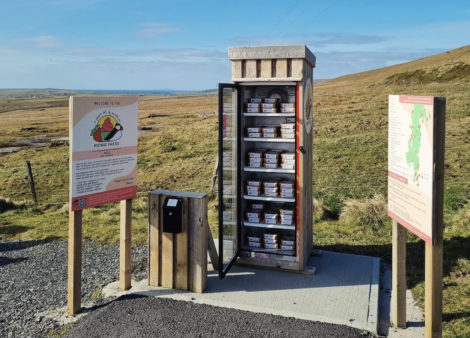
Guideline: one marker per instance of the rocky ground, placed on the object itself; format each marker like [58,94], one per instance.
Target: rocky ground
[33,281]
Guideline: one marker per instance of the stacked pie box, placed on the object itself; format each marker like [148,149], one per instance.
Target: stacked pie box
[287,108]
[288,130]
[287,216]
[256,158]
[270,105]
[271,241]
[271,159]
[288,243]
[288,161]
[253,105]
[271,187]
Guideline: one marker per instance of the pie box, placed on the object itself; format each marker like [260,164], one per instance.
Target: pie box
[271,183]
[288,161]
[254,220]
[268,105]
[288,125]
[288,191]
[290,119]
[253,105]
[254,100]
[271,160]
[269,110]
[287,217]
[253,193]
[252,110]
[257,206]
[254,213]
[254,238]
[288,110]
[254,183]
[257,153]
[253,129]
[271,165]
[270,129]
[287,247]
[270,221]
[287,222]
[286,184]
[256,164]
[288,166]
[271,214]
[270,236]
[269,135]
[285,135]
[286,211]
[287,195]
[252,188]
[256,160]
[270,190]
[287,105]
[271,194]
[288,156]
[254,134]
[255,244]
[266,100]
[271,246]
[287,240]
[270,241]
[272,154]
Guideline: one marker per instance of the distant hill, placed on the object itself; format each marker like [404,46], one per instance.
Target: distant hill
[453,65]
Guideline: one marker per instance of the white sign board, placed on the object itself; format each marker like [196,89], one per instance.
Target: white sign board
[103,150]
[411,163]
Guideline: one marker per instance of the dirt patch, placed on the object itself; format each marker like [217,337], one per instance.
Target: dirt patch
[36,142]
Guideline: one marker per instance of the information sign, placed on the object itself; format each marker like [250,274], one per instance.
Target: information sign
[103,150]
[411,159]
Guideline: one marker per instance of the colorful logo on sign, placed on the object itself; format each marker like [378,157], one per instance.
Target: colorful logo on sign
[107,129]
[308,106]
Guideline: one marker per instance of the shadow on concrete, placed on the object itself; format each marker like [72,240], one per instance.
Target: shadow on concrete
[6,261]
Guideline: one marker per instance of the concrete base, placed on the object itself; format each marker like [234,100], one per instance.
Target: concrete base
[345,290]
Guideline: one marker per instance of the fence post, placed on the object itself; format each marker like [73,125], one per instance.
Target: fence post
[31,181]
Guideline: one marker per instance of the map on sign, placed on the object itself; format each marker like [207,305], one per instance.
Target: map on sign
[410,163]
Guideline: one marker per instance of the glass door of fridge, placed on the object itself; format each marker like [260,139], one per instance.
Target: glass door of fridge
[229,176]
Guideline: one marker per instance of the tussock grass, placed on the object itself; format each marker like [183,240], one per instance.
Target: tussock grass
[7,204]
[370,212]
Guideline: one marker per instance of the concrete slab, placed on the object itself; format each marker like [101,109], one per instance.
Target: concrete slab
[345,291]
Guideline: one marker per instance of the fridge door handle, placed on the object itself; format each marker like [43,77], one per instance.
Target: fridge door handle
[302,150]
[213,183]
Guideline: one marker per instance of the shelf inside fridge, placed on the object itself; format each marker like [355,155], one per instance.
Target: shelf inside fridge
[270,226]
[263,139]
[269,199]
[264,170]
[271,251]
[270,114]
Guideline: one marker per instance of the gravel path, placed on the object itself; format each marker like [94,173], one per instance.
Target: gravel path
[134,316]
[33,279]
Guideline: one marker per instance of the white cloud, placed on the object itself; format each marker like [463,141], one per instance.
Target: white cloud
[6,50]
[154,29]
[44,41]
[180,53]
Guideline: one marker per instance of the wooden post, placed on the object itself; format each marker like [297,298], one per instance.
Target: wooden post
[75,263]
[125,245]
[399,276]
[155,265]
[433,265]
[31,181]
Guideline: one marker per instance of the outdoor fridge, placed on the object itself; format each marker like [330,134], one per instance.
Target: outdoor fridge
[265,158]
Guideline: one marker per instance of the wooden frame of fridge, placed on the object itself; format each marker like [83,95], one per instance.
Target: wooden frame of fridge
[258,69]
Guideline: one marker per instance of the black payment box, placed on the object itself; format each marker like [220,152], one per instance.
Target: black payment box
[173,215]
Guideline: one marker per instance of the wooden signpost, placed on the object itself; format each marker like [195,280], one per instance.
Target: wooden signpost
[416,198]
[103,170]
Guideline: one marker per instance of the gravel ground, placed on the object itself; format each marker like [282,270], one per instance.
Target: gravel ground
[134,316]
[33,279]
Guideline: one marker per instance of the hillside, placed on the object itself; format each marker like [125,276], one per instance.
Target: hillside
[449,66]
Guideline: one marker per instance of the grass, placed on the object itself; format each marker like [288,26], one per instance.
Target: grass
[349,169]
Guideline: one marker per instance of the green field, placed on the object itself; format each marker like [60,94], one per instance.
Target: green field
[349,168]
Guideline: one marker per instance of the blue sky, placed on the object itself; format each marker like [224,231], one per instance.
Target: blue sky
[179,44]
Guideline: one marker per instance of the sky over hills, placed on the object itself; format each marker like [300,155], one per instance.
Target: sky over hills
[182,45]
